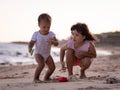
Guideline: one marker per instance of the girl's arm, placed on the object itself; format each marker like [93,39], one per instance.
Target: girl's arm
[62,54]
[91,52]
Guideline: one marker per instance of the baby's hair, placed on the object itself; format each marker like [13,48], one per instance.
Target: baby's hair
[44,17]
[82,28]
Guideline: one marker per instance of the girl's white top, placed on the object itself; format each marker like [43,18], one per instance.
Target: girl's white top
[42,46]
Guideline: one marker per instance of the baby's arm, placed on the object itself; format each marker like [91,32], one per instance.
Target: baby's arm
[30,45]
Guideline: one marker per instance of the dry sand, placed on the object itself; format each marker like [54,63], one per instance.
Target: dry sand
[103,74]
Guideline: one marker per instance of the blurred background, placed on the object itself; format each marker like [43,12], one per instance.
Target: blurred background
[18,18]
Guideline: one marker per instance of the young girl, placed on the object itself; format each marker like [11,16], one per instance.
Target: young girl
[43,39]
[80,48]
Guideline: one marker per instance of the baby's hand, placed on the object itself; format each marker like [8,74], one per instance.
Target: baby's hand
[31,51]
[51,41]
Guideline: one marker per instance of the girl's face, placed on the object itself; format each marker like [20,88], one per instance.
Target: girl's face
[77,37]
[44,27]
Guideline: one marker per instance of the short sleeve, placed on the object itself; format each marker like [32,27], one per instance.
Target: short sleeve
[70,44]
[52,34]
[34,36]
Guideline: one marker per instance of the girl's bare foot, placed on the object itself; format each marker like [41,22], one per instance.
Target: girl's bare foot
[38,81]
[83,76]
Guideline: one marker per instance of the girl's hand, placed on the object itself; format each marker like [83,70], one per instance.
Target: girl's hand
[80,54]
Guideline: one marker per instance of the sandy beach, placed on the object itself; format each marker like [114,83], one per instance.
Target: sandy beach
[103,74]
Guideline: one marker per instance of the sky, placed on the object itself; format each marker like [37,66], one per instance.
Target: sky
[18,18]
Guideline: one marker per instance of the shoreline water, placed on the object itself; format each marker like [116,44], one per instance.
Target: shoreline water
[17,54]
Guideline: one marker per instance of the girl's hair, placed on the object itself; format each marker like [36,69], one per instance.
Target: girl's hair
[44,17]
[82,28]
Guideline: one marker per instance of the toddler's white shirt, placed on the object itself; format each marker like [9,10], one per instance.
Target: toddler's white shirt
[42,46]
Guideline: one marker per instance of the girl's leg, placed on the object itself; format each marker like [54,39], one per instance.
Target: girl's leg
[41,64]
[84,64]
[51,68]
[70,61]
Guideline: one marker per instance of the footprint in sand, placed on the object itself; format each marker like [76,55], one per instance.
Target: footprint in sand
[112,80]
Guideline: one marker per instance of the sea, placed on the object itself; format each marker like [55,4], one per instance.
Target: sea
[17,54]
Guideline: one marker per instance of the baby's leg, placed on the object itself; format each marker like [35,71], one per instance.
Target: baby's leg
[51,68]
[41,64]
[84,64]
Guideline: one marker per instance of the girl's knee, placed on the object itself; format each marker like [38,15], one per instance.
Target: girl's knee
[85,63]
[70,52]
[69,55]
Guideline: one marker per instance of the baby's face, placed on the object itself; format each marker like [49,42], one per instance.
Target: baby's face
[44,27]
